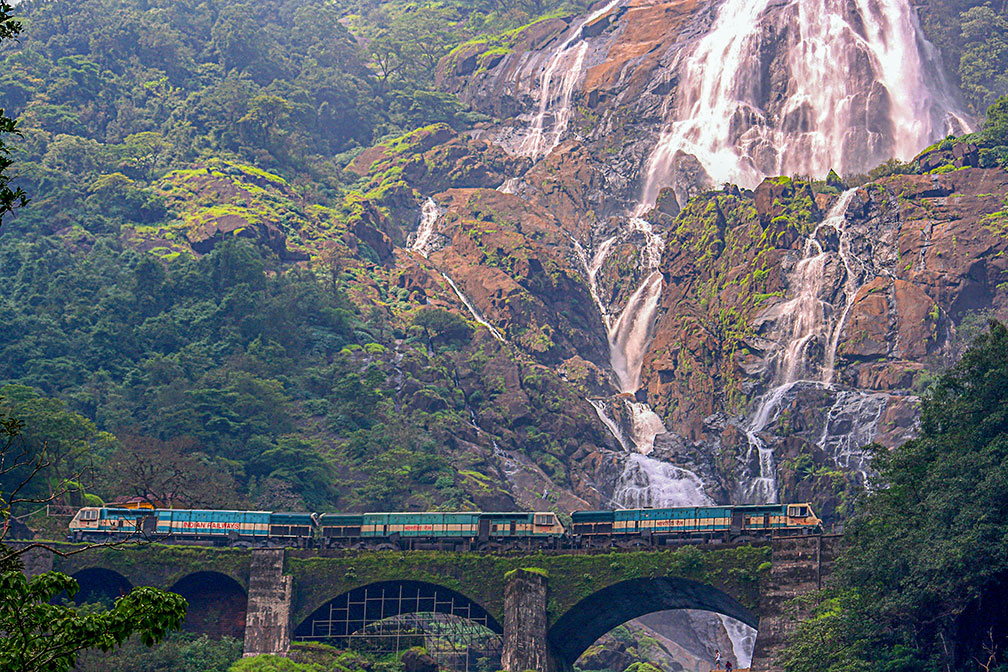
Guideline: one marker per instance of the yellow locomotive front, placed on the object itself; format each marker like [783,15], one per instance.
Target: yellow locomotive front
[801,517]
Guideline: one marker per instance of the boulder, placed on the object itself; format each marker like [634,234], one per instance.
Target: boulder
[417,660]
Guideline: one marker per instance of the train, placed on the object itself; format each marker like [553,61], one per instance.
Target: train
[621,528]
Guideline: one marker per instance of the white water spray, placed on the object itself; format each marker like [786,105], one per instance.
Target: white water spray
[863,85]
[647,482]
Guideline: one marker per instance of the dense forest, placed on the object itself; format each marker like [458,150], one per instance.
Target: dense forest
[276,383]
[276,387]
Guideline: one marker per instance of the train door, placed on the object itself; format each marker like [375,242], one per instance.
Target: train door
[737,521]
[149,526]
[484,529]
[513,527]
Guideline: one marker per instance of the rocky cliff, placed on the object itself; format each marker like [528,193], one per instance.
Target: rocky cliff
[641,338]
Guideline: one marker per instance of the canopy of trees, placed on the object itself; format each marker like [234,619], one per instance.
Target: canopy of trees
[923,579]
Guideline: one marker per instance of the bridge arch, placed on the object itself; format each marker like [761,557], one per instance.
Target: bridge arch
[579,627]
[364,605]
[217,604]
[99,584]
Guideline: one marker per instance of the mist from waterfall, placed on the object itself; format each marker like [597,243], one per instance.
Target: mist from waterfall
[863,85]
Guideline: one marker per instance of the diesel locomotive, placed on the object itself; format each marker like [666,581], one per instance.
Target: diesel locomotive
[625,528]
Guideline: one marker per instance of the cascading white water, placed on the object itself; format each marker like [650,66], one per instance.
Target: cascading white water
[851,424]
[601,407]
[862,85]
[799,321]
[854,277]
[630,334]
[510,185]
[429,215]
[647,482]
[566,64]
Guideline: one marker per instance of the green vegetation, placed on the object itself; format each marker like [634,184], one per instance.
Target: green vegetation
[922,579]
[43,637]
[179,159]
[572,578]
[187,652]
[973,41]
[10,197]
[179,652]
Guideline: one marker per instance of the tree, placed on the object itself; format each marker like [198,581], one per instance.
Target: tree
[43,637]
[10,197]
[168,473]
[442,325]
[40,636]
[930,544]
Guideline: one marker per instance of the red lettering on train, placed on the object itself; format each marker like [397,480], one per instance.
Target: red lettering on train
[208,525]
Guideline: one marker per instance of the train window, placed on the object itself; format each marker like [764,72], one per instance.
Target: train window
[89,515]
[797,511]
[543,519]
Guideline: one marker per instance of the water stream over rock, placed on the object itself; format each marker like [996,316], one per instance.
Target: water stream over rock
[422,241]
[861,85]
[563,70]
[805,320]
[645,480]
[471,307]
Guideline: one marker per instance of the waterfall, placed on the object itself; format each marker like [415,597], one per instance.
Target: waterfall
[851,424]
[647,482]
[601,407]
[644,481]
[472,309]
[566,64]
[799,321]
[743,639]
[631,333]
[429,215]
[863,85]
[854,275]
[510,185]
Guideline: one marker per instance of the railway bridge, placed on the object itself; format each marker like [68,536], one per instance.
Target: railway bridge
[544,608]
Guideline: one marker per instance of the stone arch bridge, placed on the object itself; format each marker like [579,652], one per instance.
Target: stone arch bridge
[548,608]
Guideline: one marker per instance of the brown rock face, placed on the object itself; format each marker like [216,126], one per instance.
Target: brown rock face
[775,328]
[512,263]
[920,255]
